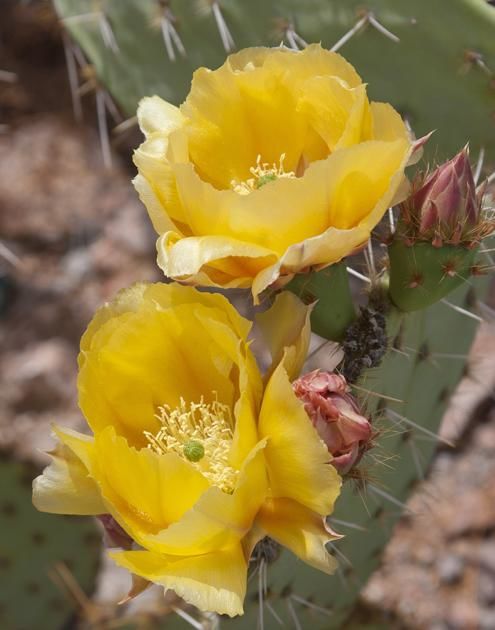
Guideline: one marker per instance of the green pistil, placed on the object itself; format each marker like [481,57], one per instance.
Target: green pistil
[265,179]
[194,451]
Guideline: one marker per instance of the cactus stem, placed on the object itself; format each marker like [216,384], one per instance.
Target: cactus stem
[461,310]
[398,420]
[358,275]
[187,618]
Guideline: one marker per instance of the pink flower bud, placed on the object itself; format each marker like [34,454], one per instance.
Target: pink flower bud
[335,415]
[445,207]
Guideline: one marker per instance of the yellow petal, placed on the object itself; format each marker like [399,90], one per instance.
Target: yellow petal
[214,582]
[152,161]
[286,327]
[297,460]
[387,124]
[335,111]
[129,345]
[160,219]
[218,519]
[146,491]
[65,486]
[300,530]
[184,259]
[155,114]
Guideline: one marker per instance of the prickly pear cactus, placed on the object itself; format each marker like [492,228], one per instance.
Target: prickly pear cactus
[445,54]
[32,546]
[406,395]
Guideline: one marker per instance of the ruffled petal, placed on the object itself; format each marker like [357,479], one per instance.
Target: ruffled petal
[302,531]
[154,114]
[218,519]
[286,327]
[297,460]
[146,491]
[130,342]
[212,260]
[65,487]
[213,582]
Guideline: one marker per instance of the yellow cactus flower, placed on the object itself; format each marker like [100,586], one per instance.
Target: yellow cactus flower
[194,458]
[274,163]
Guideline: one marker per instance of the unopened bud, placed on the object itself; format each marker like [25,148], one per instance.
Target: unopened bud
[336,416]
[445,208]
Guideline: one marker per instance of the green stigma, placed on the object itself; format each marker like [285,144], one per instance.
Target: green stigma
[194,451]
[265,179]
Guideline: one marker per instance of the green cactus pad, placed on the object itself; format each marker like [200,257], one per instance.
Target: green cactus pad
[31,545]
[421,274]
[441,69]
[334,309]
[367,511]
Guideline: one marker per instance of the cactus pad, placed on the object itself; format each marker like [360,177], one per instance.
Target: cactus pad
[445,55]
[31,545]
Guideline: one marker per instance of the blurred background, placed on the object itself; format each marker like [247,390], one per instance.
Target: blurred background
[72,232]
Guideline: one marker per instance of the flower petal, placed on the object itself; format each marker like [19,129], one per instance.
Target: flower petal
[155,114]
[300,530]
[213,582]
[297,460]
[160,219]
[146,491]
[218,519]
[224,261]
[65,486]
[131,341]
[286,327]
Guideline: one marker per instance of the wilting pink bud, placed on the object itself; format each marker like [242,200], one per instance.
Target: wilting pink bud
[446,205]
[115,536]
[335,415]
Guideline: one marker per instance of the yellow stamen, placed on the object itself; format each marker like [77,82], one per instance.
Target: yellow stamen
[202,433]
[263,174]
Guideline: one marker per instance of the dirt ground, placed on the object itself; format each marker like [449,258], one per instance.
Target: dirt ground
[77,233]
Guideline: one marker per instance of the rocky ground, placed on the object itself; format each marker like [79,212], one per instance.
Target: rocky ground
[76,233]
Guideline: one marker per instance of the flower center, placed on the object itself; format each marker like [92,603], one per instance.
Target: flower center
[201,433]
[263,174]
